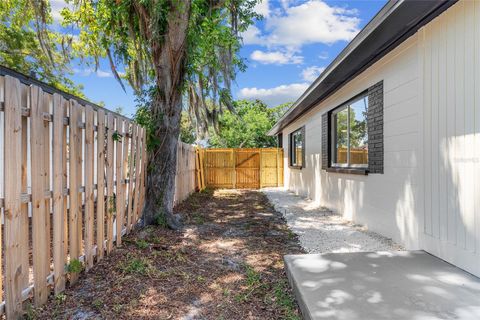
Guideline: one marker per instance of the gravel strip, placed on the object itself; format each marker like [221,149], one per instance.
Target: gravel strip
[320,231]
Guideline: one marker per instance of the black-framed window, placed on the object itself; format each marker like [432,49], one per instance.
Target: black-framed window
[349,147]
[297,148]
[352,134]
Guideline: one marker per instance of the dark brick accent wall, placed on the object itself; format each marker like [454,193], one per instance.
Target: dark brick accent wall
[304,148]
[375,128]
[325,141]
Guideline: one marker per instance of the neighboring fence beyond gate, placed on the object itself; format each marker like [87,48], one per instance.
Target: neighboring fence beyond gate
[241,168]
[185,179]
[72,184]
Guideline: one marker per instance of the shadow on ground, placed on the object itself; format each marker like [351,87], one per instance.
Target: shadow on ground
[225,264]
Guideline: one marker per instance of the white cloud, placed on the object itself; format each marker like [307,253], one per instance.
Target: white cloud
[87,72]
[104,74]
[323,55]
[313,21]
[57,6]
[262,8]
[312,73]
[252,35]
[274,96]
[276,57]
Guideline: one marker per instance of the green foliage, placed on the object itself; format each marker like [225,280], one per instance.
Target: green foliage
[30,46]
[285,300]
[141,244]
[187,130]
[116,136]
[161,220]
[75,266]
[136,266]
[247,126]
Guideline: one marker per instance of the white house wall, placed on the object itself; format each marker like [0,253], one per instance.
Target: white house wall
[384,202]
[429,194]
[449,57]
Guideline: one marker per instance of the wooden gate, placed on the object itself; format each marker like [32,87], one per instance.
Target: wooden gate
[242,168]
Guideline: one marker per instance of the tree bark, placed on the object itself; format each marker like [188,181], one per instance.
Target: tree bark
[169,57]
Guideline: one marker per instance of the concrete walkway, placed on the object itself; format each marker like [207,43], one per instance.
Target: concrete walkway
[382,285]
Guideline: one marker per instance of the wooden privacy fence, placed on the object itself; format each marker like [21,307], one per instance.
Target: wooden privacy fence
[185,179]
[241,168]
[71,184]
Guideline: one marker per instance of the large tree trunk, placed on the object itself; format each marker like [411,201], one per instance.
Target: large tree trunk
[162,168]
[169,56]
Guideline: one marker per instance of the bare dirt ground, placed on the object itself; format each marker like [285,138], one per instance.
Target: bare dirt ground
[225,264]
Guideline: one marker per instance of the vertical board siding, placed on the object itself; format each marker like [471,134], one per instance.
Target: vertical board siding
[119,210]
[89,167]
[40,215]
[58,160]
[449,52]
[75,164]
[13,190]
[100,184]
[109,174]
[58,214]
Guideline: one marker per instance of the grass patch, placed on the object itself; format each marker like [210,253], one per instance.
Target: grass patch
[136,266]
[161,220]
[142,244]
[285,300]
[198,218]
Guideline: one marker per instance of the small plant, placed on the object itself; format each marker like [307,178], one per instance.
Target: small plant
[253,277]
[60,298]
[136,265]
[142,244]
[75,266]
[97,303]
[116,136]
[285,301]
[198,218]
[112,202]
[161,220]
[30,312]
[117,308]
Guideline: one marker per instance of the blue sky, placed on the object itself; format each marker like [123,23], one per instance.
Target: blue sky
[285,51]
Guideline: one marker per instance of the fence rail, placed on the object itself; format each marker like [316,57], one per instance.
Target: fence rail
[72,182]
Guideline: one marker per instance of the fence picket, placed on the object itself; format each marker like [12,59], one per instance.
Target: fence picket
[136,194]
[124,199]
[13,189]
[118,181]
[49,153]
[131,219]
[75,164]
[110,199]
[100,183]
[40,243]
[89,208]
[58,228]
[24,246]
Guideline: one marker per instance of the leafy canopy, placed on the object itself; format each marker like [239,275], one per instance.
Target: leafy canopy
[29,46]
[132,35]
[247,126]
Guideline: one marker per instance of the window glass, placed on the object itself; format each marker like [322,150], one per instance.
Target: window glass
[349,133]
[297,148]
[340,134]
[358,132]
